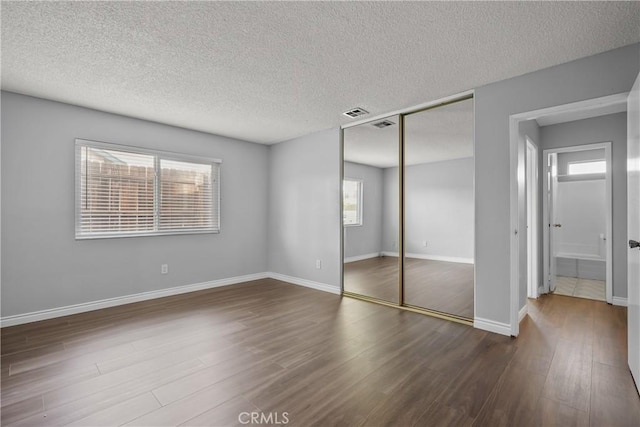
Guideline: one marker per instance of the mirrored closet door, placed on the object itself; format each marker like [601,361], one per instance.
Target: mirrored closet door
[370,209]
[439,209]
[408,210]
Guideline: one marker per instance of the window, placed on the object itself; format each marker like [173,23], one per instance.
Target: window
[352,202]
[582,168]
[126,191]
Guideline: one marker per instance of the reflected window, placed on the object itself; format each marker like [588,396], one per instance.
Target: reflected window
[352,202]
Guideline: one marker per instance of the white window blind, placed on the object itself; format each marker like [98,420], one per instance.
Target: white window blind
[126,191]
[351,202]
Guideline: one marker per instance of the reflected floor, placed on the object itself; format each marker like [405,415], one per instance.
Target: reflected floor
[437,285]
[581,288]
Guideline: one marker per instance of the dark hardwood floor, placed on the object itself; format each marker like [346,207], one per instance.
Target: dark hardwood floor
[437,285]
[269,347]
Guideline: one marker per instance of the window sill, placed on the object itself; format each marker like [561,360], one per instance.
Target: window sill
[135,234]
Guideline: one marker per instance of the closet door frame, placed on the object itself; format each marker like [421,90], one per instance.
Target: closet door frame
[401,209]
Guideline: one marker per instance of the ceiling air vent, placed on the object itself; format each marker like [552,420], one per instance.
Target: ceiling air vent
[355,112]
[383,124]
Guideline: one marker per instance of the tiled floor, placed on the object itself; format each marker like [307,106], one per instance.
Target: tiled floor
[581,288]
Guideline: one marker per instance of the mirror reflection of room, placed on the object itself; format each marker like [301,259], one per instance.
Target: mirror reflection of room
[438,220]
[370,209]
[439,209]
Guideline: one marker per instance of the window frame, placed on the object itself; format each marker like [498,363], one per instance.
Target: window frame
[360,199]
[158,155]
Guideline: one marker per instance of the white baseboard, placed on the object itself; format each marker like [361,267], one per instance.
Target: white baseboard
[361,257]
[128,299]
[391,254]
[523,312]
[432,257]
[492,326]
[441,258]
[619,301]
[306,283]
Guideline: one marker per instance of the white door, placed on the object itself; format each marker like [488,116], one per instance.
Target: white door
[633,224]
[554,225]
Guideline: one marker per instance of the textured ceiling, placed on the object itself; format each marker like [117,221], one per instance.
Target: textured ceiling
[267,72]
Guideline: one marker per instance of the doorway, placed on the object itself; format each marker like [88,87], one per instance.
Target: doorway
[571,119]
[578,212]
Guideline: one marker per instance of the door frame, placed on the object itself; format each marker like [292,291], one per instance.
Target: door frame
[517,175]
[633,230]
[532,171]
[608,214]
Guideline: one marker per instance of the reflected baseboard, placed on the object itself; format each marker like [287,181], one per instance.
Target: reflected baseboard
[432,257]
[362,257]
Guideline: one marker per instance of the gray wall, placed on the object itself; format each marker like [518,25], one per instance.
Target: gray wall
[304,207]
[390,208]
[45,267]
[613,128]
[600,75]
[529,129]
[366,238]
[439,208]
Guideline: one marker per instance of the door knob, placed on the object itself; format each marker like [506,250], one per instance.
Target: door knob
[557,225]
[634,244]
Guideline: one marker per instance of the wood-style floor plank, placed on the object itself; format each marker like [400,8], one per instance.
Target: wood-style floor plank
[612,397]
[569,378]
[121,412]
[21,409]
[268,347]
[550,412]
[233,412]
[510,401]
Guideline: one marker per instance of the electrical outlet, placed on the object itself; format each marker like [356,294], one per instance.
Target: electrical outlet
[318,264]
[164,269]
[424,243]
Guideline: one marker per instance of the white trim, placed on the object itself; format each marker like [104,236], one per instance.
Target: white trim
[52,313]
[432,257]
[128,299]
[171,155]
[441,258]
[523,312]
[492,326]
[361,257]
[586,105]
[532,197]
[514,247]
[387,253]
[304,282]
[622,302]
